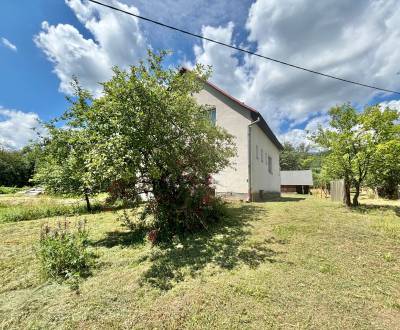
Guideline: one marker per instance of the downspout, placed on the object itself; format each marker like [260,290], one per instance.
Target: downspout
[249,196]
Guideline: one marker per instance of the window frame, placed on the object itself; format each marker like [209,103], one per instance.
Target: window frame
[212,115]
[270,164]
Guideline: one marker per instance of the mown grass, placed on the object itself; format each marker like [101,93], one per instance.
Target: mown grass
[292,263]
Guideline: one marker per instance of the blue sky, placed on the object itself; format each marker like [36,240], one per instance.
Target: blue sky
[44,42]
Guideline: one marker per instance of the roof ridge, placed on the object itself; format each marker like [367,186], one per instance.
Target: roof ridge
[263,124]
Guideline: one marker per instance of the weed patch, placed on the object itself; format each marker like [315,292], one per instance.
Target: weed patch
[62,252]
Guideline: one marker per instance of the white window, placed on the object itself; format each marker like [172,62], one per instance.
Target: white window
[270,164]
[256,151]
[266,159]
[262,156]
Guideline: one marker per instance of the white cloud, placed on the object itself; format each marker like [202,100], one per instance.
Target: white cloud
[17,128]
[117,40]
[350,39]
[7,43]
[227,72]
[297,136]
[393,104]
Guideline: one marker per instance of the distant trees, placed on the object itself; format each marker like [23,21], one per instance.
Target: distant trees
[356,145]
[16,167]
[294,157]
[302,157]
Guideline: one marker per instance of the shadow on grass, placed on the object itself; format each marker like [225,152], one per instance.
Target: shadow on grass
[281,199]
[223,246]
[121,238]
[366,208]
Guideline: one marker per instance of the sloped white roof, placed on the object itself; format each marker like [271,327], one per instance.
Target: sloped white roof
[296,178]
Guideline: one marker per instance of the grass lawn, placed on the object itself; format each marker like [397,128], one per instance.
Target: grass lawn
[292,263]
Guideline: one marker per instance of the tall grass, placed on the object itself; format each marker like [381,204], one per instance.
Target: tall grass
[21,212]
[9,190]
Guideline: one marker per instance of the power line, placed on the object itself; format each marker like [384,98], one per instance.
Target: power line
[243,50]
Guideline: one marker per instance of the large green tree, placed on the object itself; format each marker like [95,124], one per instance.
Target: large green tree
[146,133]
[353,142]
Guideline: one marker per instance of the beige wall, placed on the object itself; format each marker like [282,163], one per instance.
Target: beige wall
[261,178]
[235,120]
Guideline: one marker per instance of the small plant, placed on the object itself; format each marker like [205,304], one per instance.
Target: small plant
[389,257]
[63,252]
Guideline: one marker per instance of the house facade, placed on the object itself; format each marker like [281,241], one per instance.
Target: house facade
[255,173]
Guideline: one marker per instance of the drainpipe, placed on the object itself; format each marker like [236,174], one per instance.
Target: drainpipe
[249,196]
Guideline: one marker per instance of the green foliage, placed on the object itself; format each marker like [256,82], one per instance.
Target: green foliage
[186,213]
[146,135]
[301,157]
[295,157]
[16,167]
[355,142]
[385,164]
[62,251]
[62,167]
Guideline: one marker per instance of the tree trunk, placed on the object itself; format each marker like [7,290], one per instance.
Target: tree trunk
[347,199]
[355,198]
[88,206]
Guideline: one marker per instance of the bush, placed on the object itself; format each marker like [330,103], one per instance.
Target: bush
[63,251]
[168,216]
[190,210]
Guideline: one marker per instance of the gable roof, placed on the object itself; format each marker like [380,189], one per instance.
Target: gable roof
[296,178]
[254,115]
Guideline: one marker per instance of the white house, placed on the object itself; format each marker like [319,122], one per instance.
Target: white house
[256,172]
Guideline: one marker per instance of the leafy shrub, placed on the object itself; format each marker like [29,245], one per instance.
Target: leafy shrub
[164,218]
[63,253]
[190,210]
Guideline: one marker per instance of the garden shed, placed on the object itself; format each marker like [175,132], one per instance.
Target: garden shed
[296,181]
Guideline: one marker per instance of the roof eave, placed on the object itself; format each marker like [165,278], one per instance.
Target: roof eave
[254,115]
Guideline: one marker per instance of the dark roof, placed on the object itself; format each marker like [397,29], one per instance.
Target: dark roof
[254,115]
[296,178]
